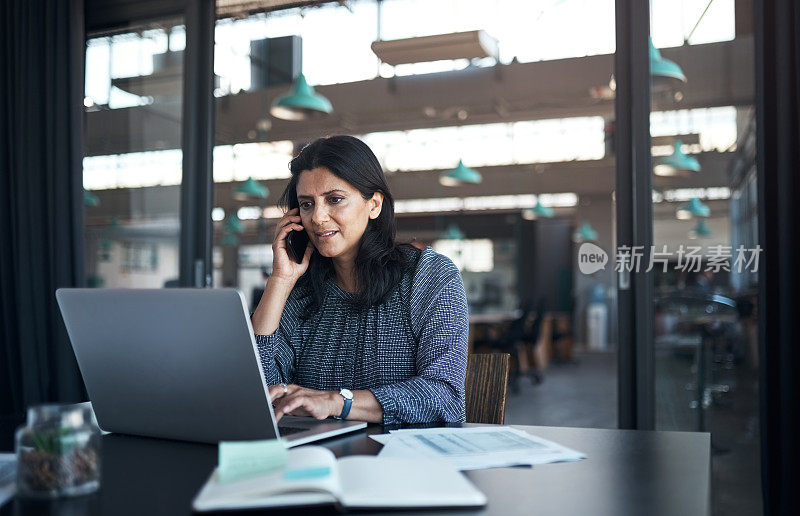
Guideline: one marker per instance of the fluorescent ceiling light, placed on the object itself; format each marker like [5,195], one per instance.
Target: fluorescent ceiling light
[685,194]
[457,45]
[217,214]
[249,213]
[484,203]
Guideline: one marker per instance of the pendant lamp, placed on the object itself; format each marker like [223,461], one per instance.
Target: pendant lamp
[460,175]
[234,224]
[676,163]
[537,212]
[229,239]
[693,208]
[665,73]
[543,211]
[701,230]
[250,188]
[453,233]
[585,234]
[90,199]
[301,103]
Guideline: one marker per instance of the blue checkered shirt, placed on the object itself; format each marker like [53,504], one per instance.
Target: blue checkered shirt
[410,352]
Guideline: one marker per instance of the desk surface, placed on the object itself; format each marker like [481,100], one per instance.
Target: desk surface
[626,472]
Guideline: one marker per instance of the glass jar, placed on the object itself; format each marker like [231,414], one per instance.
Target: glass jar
[58,452]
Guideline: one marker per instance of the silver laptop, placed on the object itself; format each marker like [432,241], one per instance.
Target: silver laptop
[178,364]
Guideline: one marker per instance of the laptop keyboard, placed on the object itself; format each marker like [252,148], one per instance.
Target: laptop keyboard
[288,430]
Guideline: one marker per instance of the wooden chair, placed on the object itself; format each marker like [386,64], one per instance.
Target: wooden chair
[486,387]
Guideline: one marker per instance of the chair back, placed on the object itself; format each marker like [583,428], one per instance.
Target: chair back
[536,328]
[486,387]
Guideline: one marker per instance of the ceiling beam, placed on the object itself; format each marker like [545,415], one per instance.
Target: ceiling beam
[719,75]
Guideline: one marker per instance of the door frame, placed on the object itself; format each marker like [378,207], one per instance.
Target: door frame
[197,121]
[634,214]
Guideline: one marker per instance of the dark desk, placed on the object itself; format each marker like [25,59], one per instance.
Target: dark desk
[626,472]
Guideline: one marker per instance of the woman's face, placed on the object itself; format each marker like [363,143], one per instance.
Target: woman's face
[334,213]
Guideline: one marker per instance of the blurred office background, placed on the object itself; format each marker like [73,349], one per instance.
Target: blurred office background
[495,122]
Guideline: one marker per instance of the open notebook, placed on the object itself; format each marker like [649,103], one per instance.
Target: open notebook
[313,476]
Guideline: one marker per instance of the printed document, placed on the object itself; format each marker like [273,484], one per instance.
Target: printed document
[475,447]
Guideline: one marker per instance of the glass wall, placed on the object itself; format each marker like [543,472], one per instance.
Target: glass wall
[133,159]
[706,253]
[540,146]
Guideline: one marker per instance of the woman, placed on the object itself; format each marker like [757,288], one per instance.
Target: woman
[361,314]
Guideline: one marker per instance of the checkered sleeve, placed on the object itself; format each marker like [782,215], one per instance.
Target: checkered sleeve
[278,351]
[436,393]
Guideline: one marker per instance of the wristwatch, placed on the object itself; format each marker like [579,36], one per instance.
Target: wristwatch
[347,394]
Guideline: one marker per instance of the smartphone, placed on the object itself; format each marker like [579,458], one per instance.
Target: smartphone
[296,242]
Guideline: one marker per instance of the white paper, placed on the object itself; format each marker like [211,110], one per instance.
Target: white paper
[403,483]
[475,447]
[8,476]
[382,438]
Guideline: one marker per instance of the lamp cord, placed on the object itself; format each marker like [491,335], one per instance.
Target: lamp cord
[687,38]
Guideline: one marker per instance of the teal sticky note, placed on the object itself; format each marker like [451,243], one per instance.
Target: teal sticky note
[243,459]
[307,473]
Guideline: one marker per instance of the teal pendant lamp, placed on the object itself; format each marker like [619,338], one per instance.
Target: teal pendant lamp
[693,208]
[453,233]
[585,234]
[250,188]
[106,242]
[234,224]
[676,163]
[543,211]
[90,199]
[538,211]
[229,239]
[665,73]
[95,281]
[701,230]
[301,103]
[460,175]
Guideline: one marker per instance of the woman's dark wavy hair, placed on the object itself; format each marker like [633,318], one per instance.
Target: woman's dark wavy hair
[381,261]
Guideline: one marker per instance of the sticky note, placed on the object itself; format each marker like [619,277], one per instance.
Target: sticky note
[307,473]
[243,459]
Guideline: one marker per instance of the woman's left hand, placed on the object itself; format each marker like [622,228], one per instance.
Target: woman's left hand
[299,401]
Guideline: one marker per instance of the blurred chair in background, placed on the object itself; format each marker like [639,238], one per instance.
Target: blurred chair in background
[519,340]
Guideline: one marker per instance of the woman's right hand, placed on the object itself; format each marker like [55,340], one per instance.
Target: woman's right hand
[284,267]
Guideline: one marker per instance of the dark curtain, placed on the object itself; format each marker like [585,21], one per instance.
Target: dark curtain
[778,102]
[41,197]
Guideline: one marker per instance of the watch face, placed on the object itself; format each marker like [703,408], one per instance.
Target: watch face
[346,393]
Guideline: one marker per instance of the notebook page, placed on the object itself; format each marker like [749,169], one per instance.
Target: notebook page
[310,478]
[390,482]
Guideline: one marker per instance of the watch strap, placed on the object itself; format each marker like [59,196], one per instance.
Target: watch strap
[348,402]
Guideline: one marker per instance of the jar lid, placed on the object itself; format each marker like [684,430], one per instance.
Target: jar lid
[71,415]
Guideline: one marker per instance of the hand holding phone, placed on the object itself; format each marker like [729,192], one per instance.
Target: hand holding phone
[290,248]
[296,242]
